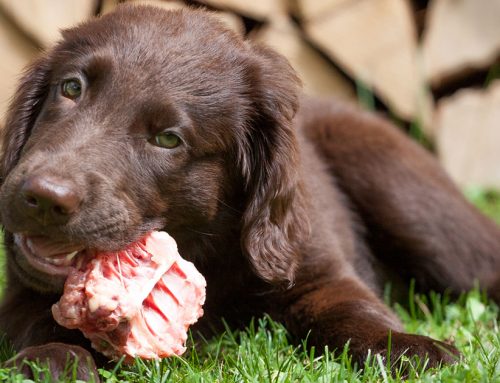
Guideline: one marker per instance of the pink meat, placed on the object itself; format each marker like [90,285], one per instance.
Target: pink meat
[138,302]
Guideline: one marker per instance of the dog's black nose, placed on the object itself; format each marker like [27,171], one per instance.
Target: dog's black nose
[50,198]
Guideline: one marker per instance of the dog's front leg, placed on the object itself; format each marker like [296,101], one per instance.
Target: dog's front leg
[26,321]
[333,313]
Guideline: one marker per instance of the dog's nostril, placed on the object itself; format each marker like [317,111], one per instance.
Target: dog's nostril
[31,201]
[59,210]
[50,197]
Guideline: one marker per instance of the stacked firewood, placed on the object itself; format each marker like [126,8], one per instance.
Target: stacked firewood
[433,66]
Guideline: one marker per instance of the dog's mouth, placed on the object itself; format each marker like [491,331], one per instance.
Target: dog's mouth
[50,257]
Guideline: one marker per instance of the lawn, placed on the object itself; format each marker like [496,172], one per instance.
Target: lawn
[263,353]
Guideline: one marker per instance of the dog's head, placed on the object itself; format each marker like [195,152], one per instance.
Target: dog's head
[146,119]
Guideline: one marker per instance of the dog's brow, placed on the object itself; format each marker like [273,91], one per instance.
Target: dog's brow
[97,66]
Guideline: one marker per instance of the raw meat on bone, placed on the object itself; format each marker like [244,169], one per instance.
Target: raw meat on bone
[138,302]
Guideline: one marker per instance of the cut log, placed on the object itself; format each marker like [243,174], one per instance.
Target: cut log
[230,20]
[42,20]
[376,42]
[468,135]
[168,5]
[319,77]
[460,36]
[307,9]
[17,51]
[108,6]
[257,9]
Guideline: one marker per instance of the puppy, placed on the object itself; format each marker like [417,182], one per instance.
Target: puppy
[147,120]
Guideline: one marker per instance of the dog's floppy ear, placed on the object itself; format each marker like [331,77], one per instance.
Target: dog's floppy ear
[23,111]
[275,222]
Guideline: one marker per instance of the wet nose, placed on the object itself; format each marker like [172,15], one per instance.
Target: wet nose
[50,198]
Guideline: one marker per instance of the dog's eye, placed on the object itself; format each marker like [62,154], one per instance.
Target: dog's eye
[167,140]
[71,88]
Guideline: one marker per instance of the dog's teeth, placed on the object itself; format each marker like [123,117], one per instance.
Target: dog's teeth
[56,262]
[29,244]
[70,256]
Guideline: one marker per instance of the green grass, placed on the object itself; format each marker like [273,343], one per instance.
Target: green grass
[487,201]
[263,353]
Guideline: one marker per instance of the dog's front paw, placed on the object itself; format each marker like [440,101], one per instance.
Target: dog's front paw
[65,362]
[423,347]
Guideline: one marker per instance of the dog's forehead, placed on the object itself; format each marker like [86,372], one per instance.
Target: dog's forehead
[147,59]
[185,52]
[147,34]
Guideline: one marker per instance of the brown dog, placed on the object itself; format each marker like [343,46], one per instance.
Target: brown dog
[146,119]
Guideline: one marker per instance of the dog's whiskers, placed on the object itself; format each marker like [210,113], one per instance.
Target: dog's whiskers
[229,206]
[202,233]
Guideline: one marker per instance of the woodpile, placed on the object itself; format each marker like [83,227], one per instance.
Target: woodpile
[474,116]
[433,64]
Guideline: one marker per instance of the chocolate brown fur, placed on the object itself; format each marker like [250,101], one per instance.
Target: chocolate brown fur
[287,205]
